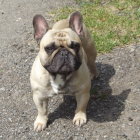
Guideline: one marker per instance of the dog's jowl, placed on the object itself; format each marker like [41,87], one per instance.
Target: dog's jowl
[65,64]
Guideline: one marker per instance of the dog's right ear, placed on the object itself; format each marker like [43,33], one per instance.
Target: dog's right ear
[40,26]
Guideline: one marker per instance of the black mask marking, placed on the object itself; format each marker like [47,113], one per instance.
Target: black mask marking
[64,62]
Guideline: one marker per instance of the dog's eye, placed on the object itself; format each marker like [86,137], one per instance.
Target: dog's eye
[50,48]
[75,46]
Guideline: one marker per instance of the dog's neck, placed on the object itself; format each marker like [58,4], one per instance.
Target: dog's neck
[59,81]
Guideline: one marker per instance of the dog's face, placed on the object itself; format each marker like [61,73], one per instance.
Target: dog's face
[60,50]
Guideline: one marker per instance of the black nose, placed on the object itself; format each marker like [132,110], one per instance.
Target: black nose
[64,52]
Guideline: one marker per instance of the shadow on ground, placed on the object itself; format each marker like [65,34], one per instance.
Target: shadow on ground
[103,106]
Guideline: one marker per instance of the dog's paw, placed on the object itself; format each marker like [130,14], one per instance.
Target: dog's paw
[80,118]
[40,123]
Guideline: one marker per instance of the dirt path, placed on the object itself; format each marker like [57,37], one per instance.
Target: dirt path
[113,116]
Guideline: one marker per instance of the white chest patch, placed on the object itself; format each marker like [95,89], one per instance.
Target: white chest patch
[57,83]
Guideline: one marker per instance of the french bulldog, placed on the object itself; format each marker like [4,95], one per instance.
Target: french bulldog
[65,64]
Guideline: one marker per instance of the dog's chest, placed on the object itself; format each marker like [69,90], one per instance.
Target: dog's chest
[60,85]
[57,83]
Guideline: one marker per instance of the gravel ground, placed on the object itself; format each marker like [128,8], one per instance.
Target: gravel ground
[113,112]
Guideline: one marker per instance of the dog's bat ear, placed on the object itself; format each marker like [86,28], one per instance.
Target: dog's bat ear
[40,26]
[76,22]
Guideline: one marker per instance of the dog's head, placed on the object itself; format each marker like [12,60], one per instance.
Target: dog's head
[60,50]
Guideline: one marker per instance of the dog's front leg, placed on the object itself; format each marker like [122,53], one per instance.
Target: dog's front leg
[42,105]
[80,114]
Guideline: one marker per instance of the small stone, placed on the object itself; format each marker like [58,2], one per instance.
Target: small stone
[105,136]
[10,119]
[132,50]
[27,129]
[18,19]
[2,89]
[123,125]
[125,136]
[130,124]
[32,50]
[130,119]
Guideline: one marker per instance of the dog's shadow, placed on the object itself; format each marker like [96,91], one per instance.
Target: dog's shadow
[103,106]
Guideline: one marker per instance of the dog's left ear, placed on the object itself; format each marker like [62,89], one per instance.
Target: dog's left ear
[40,26]
[76,22]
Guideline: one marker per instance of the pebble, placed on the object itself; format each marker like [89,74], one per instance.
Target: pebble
[139,134]
[105,136]
[123,125]
[2,89]
[130,119]
[132,50]
[10,119]
[129,124]
[18,19]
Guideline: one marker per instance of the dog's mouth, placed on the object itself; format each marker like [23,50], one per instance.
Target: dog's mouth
[63,63]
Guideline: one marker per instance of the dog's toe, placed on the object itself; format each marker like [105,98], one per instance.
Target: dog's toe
[40,123]
[79,119]
[39,127]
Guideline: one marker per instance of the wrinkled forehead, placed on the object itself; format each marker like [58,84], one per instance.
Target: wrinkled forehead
[60,37]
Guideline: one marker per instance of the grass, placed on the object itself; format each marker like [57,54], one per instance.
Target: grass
[111,23]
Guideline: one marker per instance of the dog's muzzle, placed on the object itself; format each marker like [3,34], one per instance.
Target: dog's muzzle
[64,62]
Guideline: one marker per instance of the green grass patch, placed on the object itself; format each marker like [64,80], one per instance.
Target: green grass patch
[111,23]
